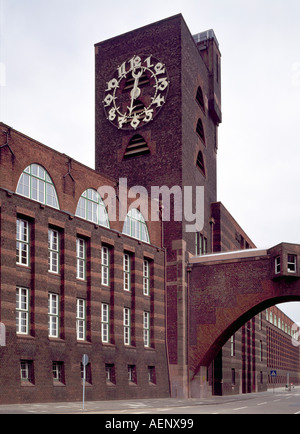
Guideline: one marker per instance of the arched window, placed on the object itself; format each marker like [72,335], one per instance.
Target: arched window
[200,130]
[91,207]
[135,226]
[136,146]
[199,98]
[200,162]
[36,184]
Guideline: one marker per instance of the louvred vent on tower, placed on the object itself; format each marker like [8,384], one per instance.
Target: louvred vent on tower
[136,147]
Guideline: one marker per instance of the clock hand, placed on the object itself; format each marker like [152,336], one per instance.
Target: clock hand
[136,91]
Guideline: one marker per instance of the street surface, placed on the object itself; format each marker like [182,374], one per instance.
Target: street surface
[276,401]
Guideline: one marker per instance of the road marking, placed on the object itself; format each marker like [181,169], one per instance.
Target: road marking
[262,403]
[275,400]
[297,412]
[239,408]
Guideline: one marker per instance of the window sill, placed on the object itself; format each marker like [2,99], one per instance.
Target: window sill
[21,336]
[57,383]
[25,383]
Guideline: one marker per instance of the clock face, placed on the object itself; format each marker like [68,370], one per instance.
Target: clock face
[136,92]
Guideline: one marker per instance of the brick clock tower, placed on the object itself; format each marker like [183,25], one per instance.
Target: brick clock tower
[158,106]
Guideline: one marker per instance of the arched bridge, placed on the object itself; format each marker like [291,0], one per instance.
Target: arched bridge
[227,289]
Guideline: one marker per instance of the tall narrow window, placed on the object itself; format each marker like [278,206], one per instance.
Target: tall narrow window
[22,311]
[199,98]
[200,244]
[53,315]
[146,277]
[200,130]
[200,163]
[105,322]
[277,265]
[232,346]
[126,272]
[53,251]
[146,317]
[81,258]
[127,325]
[22,242]
[81,319]
[105,266]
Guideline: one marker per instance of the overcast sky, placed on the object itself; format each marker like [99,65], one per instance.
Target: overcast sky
[47,91]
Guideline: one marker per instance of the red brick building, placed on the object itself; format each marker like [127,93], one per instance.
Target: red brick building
[74,280]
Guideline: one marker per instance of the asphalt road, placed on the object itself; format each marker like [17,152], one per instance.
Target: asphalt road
[278,401]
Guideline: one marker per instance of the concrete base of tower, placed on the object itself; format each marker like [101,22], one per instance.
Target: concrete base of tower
[199,386]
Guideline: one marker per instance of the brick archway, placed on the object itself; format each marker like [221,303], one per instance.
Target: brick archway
[227,289]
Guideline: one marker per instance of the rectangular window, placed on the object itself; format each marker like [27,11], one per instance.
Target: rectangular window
[110,373]
[292,263]
[22,311]
[22,242]
[105,266]
[81,258]
[127,326]
[53,315]
[132,374]
[277,265]
[260,351]
[126,271]
[105,322]
[151,374]
[53,251]
[200,244]
[26,371]
[232,346]
[233,376]
[58,372]
[146,277]
[80,319]
[146,329]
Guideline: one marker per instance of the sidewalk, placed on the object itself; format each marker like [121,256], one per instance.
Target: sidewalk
[113,407]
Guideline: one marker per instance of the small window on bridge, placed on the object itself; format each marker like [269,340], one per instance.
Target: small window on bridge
[277,265]
[292,262]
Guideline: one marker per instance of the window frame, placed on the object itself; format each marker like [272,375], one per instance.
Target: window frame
[146,277]
[28,370]
[23,239]
[126,272]
[277,264]
[53,315]
[146,329]
[135,226]
[58,372]
[22,314]
[105,266]
[80,258]
[53,251]
[91,207]
[80,319]
[105,318]
[39,186]
[127,325]
[292,263]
